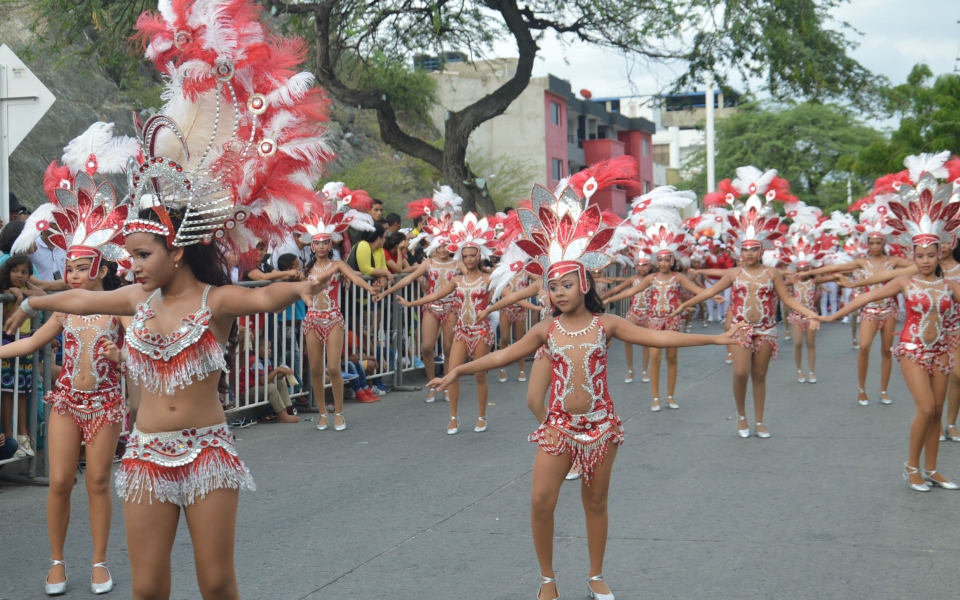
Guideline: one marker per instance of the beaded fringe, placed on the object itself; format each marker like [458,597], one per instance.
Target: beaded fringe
[213,469]
[585,456]
[193,362]
[89,421]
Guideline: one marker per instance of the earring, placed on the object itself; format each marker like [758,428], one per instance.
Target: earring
[176,265]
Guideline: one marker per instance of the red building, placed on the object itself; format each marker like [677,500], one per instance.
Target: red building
[580,133]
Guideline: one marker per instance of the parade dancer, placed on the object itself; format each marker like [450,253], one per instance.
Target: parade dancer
[755,288]
[924,218]
[636,313]
[207,171]
[665,243]
[878,316]
[87,401]
[438,269]
[472,336]
[803,253]
[514,316]
[324,326]
[580,426]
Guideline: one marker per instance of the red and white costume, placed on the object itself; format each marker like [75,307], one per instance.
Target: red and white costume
[472,296]
[924,338]
[579,363]
[439,275]
[325,314]
[513,313]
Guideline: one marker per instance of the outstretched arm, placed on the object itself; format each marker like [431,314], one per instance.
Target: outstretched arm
[891,289]
[121,301]
[640,286]
[353,276]
[620,287]
[838,268]
[711,273]
[881,277]
[725,281]
[231,301]
[527,345]
[46,334]
[522,294]
[437,295]
[420,271]
[628,332]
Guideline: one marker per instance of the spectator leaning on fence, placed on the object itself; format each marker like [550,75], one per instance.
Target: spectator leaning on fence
[274,382]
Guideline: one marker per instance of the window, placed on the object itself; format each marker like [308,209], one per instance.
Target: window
[646,187]
[646,147]
[557,169]
[555,112]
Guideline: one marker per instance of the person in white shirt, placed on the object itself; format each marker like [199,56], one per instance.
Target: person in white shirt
[48,260]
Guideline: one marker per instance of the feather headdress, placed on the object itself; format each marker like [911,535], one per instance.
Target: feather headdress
[923,215]
[471,232]
[239,141]
[752,222]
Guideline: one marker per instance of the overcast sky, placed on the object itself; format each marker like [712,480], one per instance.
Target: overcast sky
[896,34]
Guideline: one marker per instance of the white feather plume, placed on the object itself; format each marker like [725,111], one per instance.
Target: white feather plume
[111,151]
[361,221]
[839,223]
[445,197]
[503,273]
[927,163]
[333,189]
[292,90]
[770,259]
[803,215]
[751,174]
[28,237]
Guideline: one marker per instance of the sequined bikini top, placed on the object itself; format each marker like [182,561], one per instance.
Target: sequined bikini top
[167,362]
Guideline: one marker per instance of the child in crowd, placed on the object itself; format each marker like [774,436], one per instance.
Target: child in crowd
[272,381]
[14,275]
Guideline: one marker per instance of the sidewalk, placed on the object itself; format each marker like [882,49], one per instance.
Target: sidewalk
[395,508]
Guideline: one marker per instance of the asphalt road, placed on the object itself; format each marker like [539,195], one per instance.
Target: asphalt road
[395,508]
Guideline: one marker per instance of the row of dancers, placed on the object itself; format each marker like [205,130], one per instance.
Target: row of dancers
[233,157]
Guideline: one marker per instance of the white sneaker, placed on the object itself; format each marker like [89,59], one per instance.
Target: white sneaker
[26,445]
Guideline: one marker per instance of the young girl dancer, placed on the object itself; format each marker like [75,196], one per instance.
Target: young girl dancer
[802,252]
[472,336]
[440,316]
[926,217]
[636,314]
[580,426]
[666,243]
[87,402]
[324,325]
[877,316]
[756,289]
[181,456]
[514,317]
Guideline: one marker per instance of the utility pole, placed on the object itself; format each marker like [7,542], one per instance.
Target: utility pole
[711,169]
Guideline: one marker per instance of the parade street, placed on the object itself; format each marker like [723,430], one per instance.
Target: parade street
[395,508]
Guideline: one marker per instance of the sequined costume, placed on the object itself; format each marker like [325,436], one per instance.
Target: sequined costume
[951,323]
[177,466]
[753,301]
[180,467]
[103,404]
[879,311]
[513,313]
[473,298]
[805,292]
[579,362]
[923,339]
[639,304]
[325,313]
[439,275]
[664,298]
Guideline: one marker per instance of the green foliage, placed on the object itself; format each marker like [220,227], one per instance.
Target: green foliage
[810,144]
[410,90]
[71,29]
[929,111]
[508,178]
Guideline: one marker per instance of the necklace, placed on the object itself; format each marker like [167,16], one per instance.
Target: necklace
[754,277]
[583,331]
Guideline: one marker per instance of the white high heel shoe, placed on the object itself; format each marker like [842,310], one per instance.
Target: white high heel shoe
[481,429]
[811,378]
[595,595]
[629,377]
[886,400]
[917,487]
[55,589]
[544,581]
[644,377]
[326,423]
[763,435]
[431,397]
[744,433]
[656,406]
[456,428]
[947,485]
[339,427]
[101,588]
[671,403]
[800,377]
[862,402]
